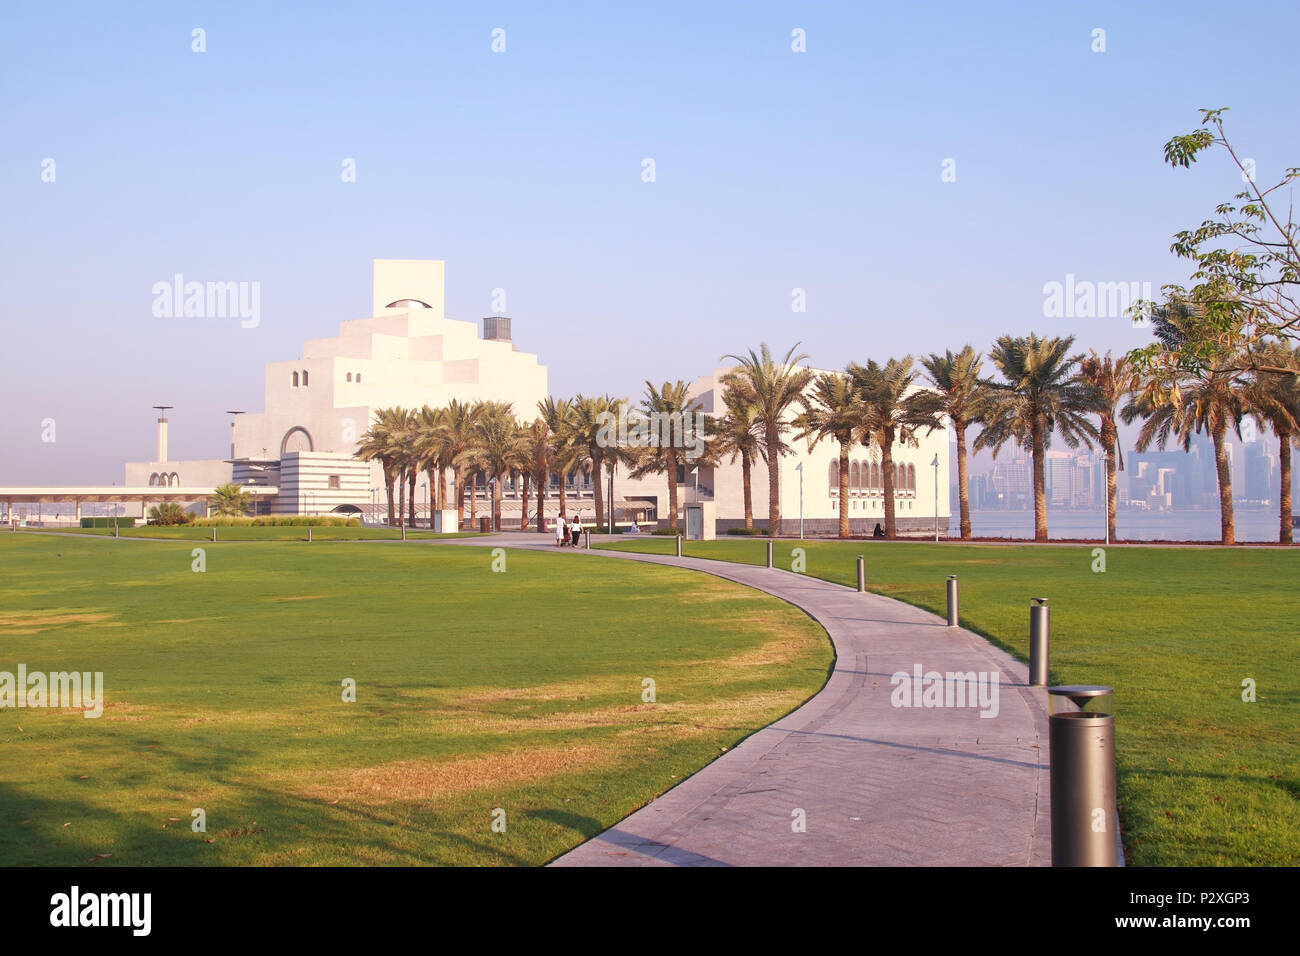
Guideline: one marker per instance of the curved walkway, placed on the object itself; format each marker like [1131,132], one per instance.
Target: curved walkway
[875,784]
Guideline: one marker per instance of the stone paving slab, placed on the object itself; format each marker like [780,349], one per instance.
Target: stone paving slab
[878,784]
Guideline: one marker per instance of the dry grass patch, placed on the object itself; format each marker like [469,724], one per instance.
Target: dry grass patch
[414,780]
[33,622]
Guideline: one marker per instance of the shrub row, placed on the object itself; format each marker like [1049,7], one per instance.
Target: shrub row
[280,521]
[751,532]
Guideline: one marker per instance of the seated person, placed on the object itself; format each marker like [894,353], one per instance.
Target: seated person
[879,532]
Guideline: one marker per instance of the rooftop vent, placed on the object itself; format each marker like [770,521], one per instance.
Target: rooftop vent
[496,328]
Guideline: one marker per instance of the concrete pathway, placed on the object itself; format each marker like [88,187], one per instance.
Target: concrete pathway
[876,784]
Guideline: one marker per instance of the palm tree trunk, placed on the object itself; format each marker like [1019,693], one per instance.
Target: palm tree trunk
[844,490]
[1040,484]
[1227,526]
[887,466]
[541,499]
[523,503]
[496,503]
[442,487]
[746,478]
[963,487]
[1111,470]
[388,486]
[410,489]
[613,501]
[1284,466]
[460,497]
[401,496]
[672,492]
[564,477]
[599,493]
[773,479]
[473,497]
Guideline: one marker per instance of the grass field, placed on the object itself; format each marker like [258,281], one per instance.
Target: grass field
[1204,777]
[254,533]
[474,690]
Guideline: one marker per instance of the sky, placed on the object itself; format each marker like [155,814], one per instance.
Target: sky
[920,172]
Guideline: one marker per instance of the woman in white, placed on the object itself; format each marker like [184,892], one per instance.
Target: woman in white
[559,531]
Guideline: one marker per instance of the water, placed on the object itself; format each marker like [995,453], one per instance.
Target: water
[1252,525]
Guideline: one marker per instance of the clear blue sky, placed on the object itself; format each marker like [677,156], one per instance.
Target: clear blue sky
[522,170]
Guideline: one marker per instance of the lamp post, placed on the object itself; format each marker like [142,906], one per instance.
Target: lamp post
[492,498]
[424,485]
[935,463]
[799,468]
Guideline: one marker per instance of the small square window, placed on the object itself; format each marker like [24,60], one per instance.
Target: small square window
[333,481]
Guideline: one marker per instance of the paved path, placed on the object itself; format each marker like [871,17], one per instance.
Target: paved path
[878,785]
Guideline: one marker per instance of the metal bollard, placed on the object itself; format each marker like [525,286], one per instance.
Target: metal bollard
[403,532]
[1039,642]
[214,532]
[309,533]
[1082,759]
[952,600]
[678,539]
[769,552]
[862,574]
[587,537]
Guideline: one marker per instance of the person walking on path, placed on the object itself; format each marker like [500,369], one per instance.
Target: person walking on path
[559,531]
[576,527]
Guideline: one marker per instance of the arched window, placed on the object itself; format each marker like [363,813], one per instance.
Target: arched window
[304,378]
[349,376]
[911,477]
[854,476]
[173,479]
[358,376]
[153,479]
[295,379]
[835,477]
[875,475]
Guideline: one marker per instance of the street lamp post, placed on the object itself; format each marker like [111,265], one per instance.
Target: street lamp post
[935,463]
[1105,477]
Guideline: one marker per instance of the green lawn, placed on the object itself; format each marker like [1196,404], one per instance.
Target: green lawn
[474,690]
[256,533]
[1204,778]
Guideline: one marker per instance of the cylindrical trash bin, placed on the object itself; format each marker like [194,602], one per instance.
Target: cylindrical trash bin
[1039,642]
[769,553]
[485,525]
[862,574]
[678,539]
[1082,756]
[952,600]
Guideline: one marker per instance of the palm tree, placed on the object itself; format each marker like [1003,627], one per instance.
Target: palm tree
[1275,397]
[1205,398]
[1039,395]
[956,379]
[380,443]
[537,437]
[498,449]
[561,454]
[774,387]
[230,500]
[589,435]
[458,431]
[892,415]
[1111,380]
[834,412]
[431,450]
[669,411]
[739,434]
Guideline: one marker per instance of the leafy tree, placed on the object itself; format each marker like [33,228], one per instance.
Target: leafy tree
[1039,395]
[169,513]
[775,388]
[1246,269]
